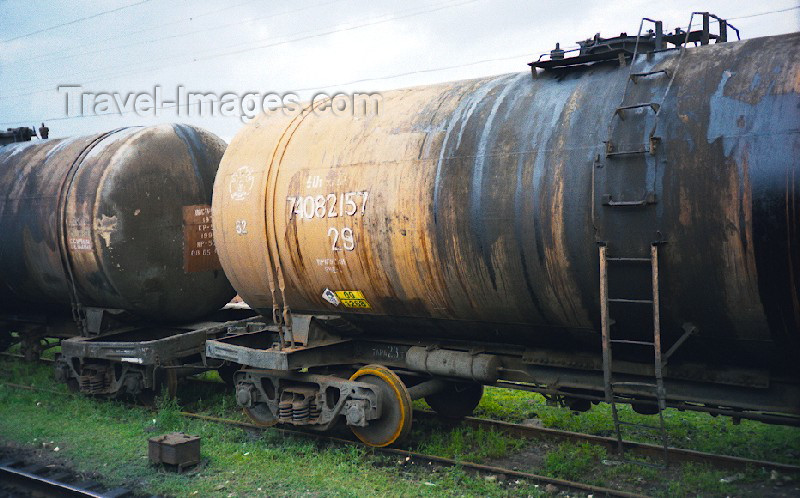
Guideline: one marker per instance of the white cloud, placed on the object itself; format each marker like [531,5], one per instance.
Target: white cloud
[464,33]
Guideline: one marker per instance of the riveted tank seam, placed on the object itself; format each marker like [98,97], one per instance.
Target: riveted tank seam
[273,241]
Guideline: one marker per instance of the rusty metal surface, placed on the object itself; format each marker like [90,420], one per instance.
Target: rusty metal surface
[108,210]
[199,253]
[175,448]
[472,209]
[143,346]
[13,135]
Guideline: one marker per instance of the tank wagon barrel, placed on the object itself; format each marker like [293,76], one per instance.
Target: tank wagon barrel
[116,227]
[119,220]
[520,228]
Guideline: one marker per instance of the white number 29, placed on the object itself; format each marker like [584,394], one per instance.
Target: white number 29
[348,243]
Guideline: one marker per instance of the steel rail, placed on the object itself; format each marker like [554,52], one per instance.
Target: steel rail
[641,449]
[21,477]
[427,458]
[22,357]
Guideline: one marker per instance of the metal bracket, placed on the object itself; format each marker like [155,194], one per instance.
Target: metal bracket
[688,330]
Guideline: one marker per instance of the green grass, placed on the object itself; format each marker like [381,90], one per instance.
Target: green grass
[587,463]
[110,438]
[464,443]
[692,430]
[573,461]
[239,463]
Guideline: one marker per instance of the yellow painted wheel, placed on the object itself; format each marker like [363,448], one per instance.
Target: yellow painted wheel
[395,420]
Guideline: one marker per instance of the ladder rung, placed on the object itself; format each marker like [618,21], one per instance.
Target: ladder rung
[642,426]
[633,76]
[638,260]
[631,301]
[643,150]
[627,341]
[652,105]
[634,384]
[649,198]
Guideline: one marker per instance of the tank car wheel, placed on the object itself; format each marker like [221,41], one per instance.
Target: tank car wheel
[457,400]
[261,415]
[395,420]
[226,373]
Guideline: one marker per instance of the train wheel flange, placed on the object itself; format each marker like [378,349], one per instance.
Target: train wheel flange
[395,420]
[457,400]
[261,415]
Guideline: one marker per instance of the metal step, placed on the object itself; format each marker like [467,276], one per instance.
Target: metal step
[644,150]
[638,343]
[649,148]
[634,76]
[630,301]
[637,260]
[652,105]
[649,198]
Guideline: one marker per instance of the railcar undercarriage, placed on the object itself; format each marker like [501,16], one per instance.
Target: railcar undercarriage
[320,377]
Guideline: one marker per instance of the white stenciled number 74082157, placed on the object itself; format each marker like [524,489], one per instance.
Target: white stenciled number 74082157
[332,205]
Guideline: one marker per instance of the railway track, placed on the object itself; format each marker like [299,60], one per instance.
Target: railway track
[413,456]
[17,478]
[22,357]
[409,456]
[632,447]
[674,455]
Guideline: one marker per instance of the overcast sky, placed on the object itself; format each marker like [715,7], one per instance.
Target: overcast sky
[298,46]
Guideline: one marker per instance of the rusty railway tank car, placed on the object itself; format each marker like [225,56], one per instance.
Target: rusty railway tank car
[620,225]
[108,225]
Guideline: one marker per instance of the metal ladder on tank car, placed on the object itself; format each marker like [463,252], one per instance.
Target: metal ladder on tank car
[704,39]
[623,155]
[612,148]
[657,385]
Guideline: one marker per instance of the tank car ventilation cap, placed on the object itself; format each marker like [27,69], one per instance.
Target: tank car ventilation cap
[624,47]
